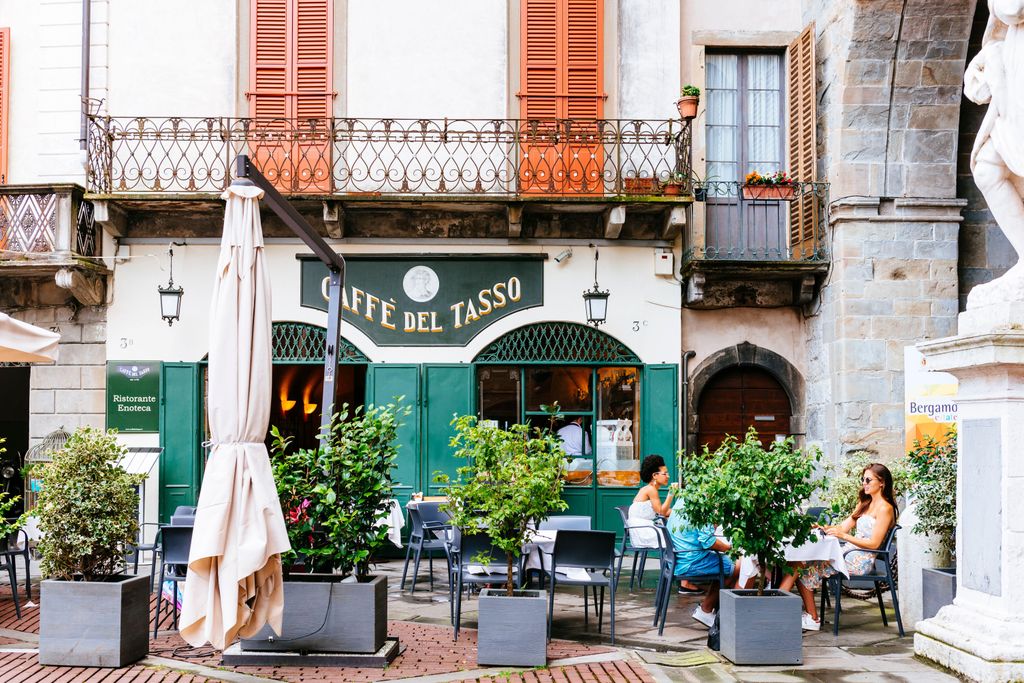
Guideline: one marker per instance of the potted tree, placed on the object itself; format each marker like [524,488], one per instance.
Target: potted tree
[689,99]
[933,488]
[774,186]
[511,478]
[755,493]
[333,497]
[91,614]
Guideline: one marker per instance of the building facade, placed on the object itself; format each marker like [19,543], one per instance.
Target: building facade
[471,161]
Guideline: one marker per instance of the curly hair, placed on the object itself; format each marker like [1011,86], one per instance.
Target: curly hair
[650,465]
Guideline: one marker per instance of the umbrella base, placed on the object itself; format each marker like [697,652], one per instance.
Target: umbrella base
[236,656]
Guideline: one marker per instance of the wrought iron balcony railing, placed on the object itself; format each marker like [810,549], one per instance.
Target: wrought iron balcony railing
[36,221]
[732,223]
[419,157]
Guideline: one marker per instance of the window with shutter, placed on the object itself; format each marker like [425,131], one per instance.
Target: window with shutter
[291,93]
[562,95]
[5,96]
[803,212]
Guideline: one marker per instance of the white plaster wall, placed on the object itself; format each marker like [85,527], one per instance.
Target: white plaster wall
[173,58]
[776,329]
[427,59]
[44,131]
[648,61]
[135,330]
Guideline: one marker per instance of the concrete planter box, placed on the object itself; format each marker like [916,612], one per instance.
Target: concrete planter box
[938,588]
[94,623]
[512,631]
[761,630]
[323,613]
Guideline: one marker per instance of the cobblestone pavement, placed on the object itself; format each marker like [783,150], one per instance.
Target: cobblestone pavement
[864,650]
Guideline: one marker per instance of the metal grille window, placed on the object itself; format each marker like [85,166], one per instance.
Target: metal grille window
[565,343]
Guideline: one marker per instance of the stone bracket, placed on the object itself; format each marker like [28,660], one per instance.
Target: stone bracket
[695,288]
[614,219]
[805,289]
[88,289]
[110,217]
[515,220]
[675,221]
[334,219]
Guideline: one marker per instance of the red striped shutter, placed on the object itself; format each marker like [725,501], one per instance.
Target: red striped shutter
[804,214]
[584,97]
[5,97]
[269,67]
[539,59]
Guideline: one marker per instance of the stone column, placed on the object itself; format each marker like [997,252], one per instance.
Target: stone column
[981,635]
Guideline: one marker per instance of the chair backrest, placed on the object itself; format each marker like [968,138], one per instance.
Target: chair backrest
[415,520]
[175,542]
[584,548]
[475,547]
[623,513]
[185,510]
[668,551]
[815,512]
[574,522]
[430,511]
[889,545]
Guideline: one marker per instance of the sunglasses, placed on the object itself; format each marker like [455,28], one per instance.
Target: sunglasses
[867,480]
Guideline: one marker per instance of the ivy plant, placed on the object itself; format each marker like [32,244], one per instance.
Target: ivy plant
[333,496]
[755,494]
[88,508]
[932,464]
[844,482]
[512,478]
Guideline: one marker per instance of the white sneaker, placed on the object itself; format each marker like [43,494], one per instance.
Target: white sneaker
[808,623]
[706,618]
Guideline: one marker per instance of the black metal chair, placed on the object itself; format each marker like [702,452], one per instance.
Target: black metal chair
[175,542]
[882,574]
[594,552]
[428,524]
[667,577]
[136,549]
[25,552]
[471,550]
[639,553]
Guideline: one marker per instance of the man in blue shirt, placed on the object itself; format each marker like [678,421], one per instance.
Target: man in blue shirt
[697,552]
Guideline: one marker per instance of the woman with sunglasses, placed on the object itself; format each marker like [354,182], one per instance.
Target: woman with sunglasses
[647,504]
[866,527]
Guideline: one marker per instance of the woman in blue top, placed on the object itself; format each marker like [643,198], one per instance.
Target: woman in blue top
[697,553]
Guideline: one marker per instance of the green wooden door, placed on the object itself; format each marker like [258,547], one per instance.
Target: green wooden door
[659,413]
[447,390]
[385,383]
[181,462]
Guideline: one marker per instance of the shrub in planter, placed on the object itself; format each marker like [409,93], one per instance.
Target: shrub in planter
[755,493]
[91,614]
[332,497]
[932,467]
[511,478]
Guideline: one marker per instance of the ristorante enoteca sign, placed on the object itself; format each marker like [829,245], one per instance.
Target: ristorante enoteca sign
[433,300]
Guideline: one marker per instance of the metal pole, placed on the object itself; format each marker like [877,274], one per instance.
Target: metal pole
[686,397]
[86,44]
[335,283]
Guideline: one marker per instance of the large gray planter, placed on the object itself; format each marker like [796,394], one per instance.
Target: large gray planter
[322,613]
[512,631]
[94,623]
[761,630]
[938,588]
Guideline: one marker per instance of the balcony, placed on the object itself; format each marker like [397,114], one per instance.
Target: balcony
[742,251]
[48,237]
[524,167]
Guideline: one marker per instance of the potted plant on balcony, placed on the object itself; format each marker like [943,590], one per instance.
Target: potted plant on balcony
[689,99]
[777,186]
[91,614]
[641,185]
[333,497]
[674,185]
[511,478]
[933,490]
[755,493]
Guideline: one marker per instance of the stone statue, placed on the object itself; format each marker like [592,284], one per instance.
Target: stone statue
[996,76]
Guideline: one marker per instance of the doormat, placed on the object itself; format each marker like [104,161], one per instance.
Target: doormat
[679,659]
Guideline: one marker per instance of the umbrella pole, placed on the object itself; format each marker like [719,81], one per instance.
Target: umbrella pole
[334,285]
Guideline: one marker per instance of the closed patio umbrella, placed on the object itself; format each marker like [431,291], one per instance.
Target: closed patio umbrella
[24,343]
[233,586]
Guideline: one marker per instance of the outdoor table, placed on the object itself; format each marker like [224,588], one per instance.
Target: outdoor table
[538,552]
[820,548]
[395,520]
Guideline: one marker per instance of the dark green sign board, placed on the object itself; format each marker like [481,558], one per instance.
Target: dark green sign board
[436,300]
[133,396]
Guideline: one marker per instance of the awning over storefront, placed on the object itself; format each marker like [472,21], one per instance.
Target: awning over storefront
[24,343]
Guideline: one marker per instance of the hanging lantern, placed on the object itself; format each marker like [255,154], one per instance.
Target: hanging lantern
[596,300]
[170,296]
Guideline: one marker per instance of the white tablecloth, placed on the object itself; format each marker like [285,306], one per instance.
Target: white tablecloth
[822,548]
[538,554]
[395,520]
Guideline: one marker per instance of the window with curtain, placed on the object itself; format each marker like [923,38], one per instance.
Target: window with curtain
[745,101]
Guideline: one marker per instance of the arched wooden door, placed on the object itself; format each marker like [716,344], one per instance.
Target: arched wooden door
[738,398]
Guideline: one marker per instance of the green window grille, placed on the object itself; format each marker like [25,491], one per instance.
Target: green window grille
[558,342]
[304,343]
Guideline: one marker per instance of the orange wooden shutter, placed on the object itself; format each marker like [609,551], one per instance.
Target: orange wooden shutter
[804,211]
[5,96]
[561,77]
[291,83]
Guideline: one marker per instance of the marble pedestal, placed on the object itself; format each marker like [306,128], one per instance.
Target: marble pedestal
[981,635]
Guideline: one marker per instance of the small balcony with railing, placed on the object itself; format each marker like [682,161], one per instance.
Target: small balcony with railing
[522,166]
[755,245]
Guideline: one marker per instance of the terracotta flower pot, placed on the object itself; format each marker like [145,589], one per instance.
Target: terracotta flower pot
[644,186]
[784,193]
[672,189]
[687,106]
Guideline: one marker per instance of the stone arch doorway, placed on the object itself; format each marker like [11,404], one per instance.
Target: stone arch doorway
[738,398]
